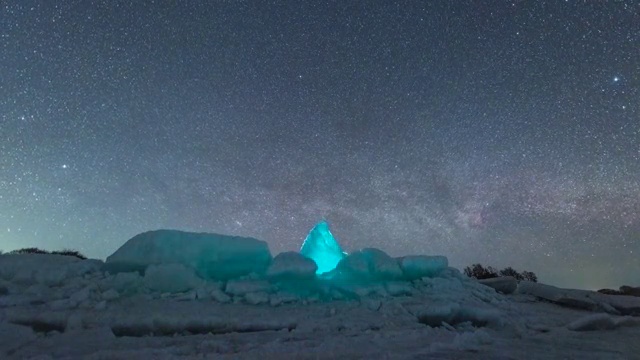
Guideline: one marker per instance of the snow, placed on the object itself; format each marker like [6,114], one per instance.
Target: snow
[14,336]
[322,247]
[212,256]
[169,310]
[45,269]
[601,321]
[583,299]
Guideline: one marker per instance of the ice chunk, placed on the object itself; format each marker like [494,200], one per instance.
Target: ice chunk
[213,256]
[417,266]
[170,278]
[625,305]
[602,322]
[472,341]
[63,304]
[203,291]
[219,296]
[257,298]
[453,314]
[322,247]
[110,294]
[398,288]
[292,265]
[242,287]
[101,305]
[371,304]
[503,284]
[371,264]
[357,290]
[283,297]
[128,282]
[582,299]
[593,322]
[75,322]
[82,295]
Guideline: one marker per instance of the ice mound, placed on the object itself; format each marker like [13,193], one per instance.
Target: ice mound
[369,264]
[417,266]
[601,321]
[582,299]
[170,278]
[292,265]
[212,256]
[322,247]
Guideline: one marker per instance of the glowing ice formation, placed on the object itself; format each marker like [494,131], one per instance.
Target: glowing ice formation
[322,247]
[212,256]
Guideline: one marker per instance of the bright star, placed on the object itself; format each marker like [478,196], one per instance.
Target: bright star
[616,79]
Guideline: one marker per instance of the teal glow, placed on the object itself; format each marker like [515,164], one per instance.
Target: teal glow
[322,247]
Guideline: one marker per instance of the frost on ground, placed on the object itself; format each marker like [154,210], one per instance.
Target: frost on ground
[151,304]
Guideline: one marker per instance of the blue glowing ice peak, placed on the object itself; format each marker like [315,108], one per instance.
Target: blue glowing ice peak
[322,247]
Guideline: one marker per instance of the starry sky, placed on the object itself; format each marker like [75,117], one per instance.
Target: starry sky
[498,132]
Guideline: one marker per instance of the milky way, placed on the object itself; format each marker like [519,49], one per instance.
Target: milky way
[505,133]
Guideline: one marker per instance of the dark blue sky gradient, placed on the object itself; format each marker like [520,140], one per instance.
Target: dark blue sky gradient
[505,133]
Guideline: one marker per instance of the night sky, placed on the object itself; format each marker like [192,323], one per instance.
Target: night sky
[498,132]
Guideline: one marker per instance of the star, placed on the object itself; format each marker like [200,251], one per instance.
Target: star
[342,114]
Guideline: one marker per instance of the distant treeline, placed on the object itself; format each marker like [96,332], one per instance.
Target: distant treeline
[480,272]
[33,250]
[624,290]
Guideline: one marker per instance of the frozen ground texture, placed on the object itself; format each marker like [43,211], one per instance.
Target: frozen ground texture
[370,306]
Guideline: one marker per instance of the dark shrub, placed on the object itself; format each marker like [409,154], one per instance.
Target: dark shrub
[31,250]
[65,252]
[68,252]
[609,292]
[529,276]
[629,290]
[509,271]
[480,272]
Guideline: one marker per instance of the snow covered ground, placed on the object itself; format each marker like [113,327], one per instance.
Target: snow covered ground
[59,307]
